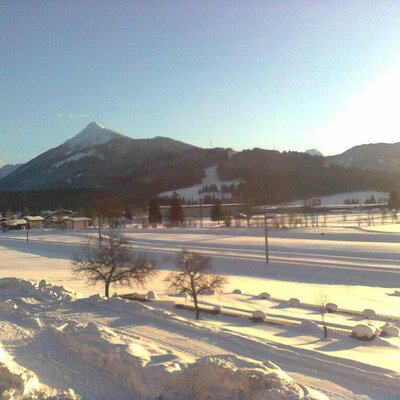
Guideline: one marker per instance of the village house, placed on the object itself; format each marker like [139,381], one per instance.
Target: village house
[34,222]
[77,223]
[16,224]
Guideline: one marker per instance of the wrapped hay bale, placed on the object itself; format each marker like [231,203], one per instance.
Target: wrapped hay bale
[259,316]
[364,332]
[368,313]
[331,307]
[293,302]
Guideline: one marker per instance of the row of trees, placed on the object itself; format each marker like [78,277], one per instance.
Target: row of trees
[175,217]
[175,213]
[112,261]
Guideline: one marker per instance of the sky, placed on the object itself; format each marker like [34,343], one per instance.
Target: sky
[284,75]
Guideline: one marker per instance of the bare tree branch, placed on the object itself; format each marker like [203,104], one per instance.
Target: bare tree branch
[112,262]
[192,276]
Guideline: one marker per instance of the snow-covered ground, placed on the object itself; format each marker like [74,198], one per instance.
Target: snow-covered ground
[341,197]
[71,342]
[192,192]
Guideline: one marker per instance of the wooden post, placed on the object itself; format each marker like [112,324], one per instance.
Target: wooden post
[266,237]
[99,222]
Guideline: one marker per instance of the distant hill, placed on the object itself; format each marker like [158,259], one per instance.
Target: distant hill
[377,156]
[90,159]
[275,177]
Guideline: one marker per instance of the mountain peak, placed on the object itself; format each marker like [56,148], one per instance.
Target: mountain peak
[94,134]
[94,124]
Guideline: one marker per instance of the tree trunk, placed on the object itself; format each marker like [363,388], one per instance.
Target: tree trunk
[107,289]
[196,306]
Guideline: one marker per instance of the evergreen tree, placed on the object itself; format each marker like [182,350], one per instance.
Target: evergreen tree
[216,211]
[176,217]
[394,202]
[155,216]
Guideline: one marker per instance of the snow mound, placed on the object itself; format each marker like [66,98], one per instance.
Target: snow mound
[265,295]
[18,383]
[14,288]
[148,371]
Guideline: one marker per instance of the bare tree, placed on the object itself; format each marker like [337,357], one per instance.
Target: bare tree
[192,276]
[322,302]
[112,261]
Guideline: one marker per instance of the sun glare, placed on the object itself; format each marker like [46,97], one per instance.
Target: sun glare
[371,114]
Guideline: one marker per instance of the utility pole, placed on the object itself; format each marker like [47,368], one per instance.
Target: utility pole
[27,234]
[99,223]
[266,237]
[201,212]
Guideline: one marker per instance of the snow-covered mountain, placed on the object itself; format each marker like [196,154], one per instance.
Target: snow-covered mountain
[376,156]
[89,159]
[8,169]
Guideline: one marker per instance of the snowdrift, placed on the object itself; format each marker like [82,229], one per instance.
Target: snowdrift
[150,372]
[18,383]
[40,291]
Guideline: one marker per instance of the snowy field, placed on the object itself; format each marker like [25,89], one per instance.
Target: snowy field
[339,198]
[71,341]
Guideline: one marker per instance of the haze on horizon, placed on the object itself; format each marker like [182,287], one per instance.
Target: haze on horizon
[284,75]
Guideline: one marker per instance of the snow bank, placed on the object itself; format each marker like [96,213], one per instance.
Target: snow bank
[148,371]
[18,383]
[42,291]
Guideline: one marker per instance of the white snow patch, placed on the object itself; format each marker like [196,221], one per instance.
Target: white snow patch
[78,156]
[211,178]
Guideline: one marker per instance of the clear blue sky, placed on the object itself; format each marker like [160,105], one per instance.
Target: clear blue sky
[242,74]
